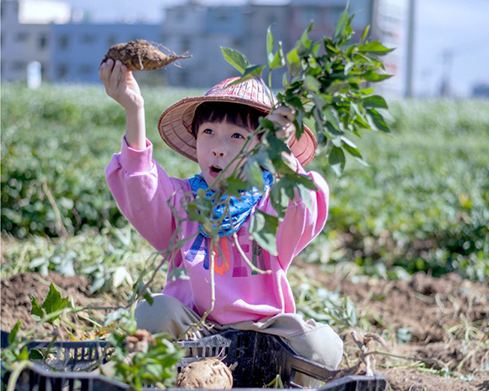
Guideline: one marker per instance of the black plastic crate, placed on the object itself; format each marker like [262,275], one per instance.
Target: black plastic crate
[260,358]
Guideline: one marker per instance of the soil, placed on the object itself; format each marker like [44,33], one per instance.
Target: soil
[448,320]
[16,303]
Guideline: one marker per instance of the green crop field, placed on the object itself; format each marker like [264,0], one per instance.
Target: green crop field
[421,204]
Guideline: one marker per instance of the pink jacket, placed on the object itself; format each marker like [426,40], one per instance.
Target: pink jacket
[143,190]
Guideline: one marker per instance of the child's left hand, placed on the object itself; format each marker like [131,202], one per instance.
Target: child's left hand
[283,119]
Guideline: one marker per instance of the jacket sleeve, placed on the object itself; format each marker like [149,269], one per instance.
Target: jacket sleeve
[143,191]
[302,224]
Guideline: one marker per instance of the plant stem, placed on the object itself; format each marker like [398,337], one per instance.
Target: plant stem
[62,232]
[12,381]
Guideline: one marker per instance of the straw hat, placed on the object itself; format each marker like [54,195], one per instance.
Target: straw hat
[175,124]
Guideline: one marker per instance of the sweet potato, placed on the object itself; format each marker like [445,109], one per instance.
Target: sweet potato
[210,373]
[141,55]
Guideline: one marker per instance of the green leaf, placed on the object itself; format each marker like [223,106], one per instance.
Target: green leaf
[264,159]
[35,354]
[253,173]
[277,146]
[336,141]
[293,62]
[234,186]
[253,71]
[376,120]
[367,91]
[195,216]
[375,101]
[269,44]
[374,76]
[24,354]
[278,60]
[236,59]
[304,43]
[53,301]
[279,198]
[360,122]
[155,370]
[349,66]
[148,297]
[305,195]
[332,116]
[337,160]
[249,73]
[13,332]
[311,83]
[353,150]
[365,33]
[37,311]
[263,229]
[350,147]
[374,47]
[285,80]
[341,26]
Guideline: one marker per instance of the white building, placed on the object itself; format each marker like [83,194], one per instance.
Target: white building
[26,29]
[43,32]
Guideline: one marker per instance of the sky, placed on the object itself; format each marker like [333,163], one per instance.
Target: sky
[459,27]
[451,36]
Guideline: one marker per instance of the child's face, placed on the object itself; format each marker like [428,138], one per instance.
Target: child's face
[218,143]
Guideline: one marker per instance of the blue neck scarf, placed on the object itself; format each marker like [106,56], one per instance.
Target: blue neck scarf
[239,207]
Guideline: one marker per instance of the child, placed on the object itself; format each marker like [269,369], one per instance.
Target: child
[211,130]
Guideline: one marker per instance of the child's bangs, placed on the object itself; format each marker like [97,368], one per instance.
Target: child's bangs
[234,113]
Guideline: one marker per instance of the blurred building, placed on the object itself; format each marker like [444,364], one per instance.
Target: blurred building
[71,51]
[26,35]
[480,91]
[45,32]
[202,30]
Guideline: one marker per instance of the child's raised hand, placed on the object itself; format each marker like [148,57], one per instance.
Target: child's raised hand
[283,118]
[120,84]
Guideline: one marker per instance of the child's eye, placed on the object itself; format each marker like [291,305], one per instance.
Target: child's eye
[237,135]
[208,131]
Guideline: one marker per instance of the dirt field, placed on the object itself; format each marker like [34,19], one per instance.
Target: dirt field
[448,319]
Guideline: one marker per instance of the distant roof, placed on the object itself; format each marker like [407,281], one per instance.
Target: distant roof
[270,2]
[44,12]
[341,3]
[241,2]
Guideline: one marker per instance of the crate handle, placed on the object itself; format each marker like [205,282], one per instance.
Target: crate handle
[310,368]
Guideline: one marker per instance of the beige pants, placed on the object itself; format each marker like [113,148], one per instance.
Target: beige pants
[309,339]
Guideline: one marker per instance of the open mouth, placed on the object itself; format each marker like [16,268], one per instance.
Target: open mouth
[214,171]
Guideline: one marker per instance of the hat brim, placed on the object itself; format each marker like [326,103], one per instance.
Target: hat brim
[175,128]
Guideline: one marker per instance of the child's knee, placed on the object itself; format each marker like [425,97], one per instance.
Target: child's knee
[321,344]
[335,345]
